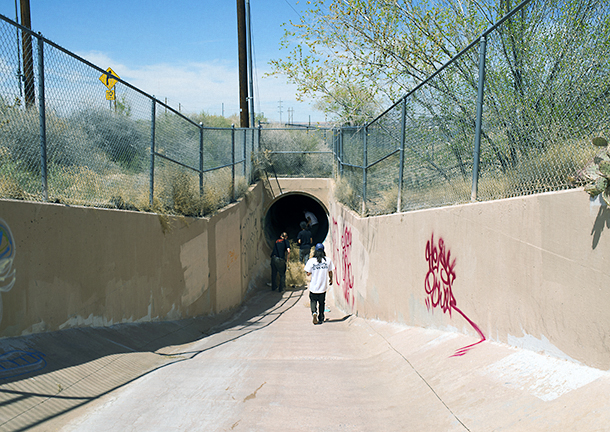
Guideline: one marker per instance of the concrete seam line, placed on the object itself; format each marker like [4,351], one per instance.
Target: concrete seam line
[419,375]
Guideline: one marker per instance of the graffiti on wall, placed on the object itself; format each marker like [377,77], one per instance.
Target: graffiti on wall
[439,285]
[341,238]
[7,256]
[19,362]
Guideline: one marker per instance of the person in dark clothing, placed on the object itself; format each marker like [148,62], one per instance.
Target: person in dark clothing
[304,240]
[279,258]
[312,222]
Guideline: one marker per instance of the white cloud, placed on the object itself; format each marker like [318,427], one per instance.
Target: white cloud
[206,86]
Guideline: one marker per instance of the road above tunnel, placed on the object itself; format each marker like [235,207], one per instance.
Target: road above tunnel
[268,368]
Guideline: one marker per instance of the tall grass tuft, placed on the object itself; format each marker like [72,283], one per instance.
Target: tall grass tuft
[345,194]
[295,274]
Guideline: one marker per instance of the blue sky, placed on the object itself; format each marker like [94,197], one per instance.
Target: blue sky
[182,50]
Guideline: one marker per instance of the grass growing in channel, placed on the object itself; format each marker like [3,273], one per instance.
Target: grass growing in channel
[176,193]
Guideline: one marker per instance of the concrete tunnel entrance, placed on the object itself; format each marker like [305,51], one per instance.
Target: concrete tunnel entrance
[286,214]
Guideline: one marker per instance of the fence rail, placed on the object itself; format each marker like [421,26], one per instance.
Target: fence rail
[61,140]
[512,114]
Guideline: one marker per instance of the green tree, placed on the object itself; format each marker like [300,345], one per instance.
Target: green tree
[372,48]
[388,46]
[547,69]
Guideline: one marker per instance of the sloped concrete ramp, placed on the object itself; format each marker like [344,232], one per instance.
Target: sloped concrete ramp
[268,368]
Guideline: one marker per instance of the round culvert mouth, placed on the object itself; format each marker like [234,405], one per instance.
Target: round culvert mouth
[286,214]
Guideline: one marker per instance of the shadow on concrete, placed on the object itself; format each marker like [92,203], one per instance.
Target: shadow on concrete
[602,220]
[85,364]
[345,318]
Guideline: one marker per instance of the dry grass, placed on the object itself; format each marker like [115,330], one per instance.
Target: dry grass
[9,188]
[176,193]
[385,202]
[295,275]
[345,194]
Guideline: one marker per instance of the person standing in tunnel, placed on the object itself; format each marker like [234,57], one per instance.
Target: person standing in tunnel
[320,269]
[305,241]
[312,222]
[279,258]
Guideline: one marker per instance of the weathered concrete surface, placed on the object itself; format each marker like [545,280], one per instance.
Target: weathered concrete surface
[269,368]
[318,188]
[79,266]
[530,271]
[526,272]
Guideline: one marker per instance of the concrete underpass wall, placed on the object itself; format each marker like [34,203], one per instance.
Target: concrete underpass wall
[531,271]
[78,266]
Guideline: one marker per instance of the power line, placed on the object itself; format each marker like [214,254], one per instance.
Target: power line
[297,12]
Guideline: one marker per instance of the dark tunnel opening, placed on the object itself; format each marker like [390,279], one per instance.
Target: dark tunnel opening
[287,213]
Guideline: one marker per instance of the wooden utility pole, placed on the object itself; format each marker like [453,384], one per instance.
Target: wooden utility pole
[244,116]
[28,62]
[250,74]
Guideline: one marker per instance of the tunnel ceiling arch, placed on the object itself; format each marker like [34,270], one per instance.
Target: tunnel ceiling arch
[287,212]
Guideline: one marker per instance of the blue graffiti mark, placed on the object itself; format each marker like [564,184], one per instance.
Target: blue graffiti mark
[7,255]
[19,362]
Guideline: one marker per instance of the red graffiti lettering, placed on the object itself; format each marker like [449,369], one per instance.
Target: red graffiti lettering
[440,277]
[342,246]
[439,286]
[348,277]
[334,233]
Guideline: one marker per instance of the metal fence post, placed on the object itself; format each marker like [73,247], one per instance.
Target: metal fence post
[477,137]
[341,151]
[258,144]
[403,127]
[42,120]
[232,163]
[364,164]
[245,142]
[201,159]
[254,135]
[152,151]
[336,153]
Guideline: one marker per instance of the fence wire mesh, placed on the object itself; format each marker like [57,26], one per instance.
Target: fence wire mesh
[66,137]
[546,92]
[291,152]
[546,96]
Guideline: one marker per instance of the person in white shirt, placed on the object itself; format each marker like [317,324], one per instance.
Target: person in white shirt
[320,268]
[312,222]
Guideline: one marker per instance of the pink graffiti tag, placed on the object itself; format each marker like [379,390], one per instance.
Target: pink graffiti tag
[439,286]
[348,277]
[342,246]
[334,233]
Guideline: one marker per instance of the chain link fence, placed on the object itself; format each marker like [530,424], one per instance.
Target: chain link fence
[66,137]
[297,152]
[513,114]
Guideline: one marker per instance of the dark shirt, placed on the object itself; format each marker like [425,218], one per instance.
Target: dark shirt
[305,237]
[279,249]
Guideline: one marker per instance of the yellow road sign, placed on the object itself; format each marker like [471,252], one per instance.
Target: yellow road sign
[109,79]
[110,95]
